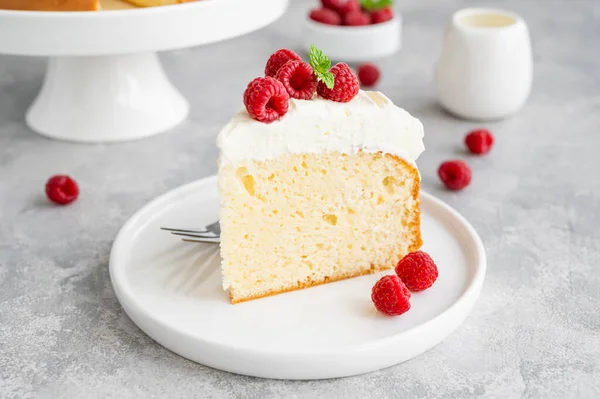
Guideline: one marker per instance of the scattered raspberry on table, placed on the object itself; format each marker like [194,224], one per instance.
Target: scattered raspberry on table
[479,141]
[417,271]
[390,296]
[62,189]
[368,74]
[455,174]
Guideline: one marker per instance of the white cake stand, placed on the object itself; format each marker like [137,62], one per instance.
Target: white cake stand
[104,81]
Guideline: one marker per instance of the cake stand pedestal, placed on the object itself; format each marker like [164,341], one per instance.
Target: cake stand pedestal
[104,81]
[104,99]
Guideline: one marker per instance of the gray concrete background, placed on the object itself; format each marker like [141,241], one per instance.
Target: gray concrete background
[535,200]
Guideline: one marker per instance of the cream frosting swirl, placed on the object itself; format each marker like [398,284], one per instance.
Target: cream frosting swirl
[369,122]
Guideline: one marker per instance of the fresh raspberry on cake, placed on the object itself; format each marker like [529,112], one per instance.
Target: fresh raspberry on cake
[325,16]
[417,271]
[479,141]
[368,74]
[62,189]
[391,296]
[338,83]
[357,18]
[345,84]
[279,59]
[455,174]
[299,79]
[383,15]
[266,99]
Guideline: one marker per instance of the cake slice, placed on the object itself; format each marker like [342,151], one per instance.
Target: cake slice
[327,192]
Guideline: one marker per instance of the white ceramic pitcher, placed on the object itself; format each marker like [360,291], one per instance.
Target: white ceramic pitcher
[485,69]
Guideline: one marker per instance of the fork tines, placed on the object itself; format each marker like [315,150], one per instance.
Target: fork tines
[194,235]
[203,240]
[191,235]
[184,231]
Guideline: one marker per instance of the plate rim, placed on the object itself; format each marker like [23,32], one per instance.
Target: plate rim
[118,279]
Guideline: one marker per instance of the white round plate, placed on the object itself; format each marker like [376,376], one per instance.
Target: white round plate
[104,82]
[172,291]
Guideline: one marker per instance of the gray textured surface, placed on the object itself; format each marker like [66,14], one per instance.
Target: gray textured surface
[534,333]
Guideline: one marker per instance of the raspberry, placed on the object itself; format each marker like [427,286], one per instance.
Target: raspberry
[417,271]
[325,16]
[391,296]
[278,59]
[348,7]
[345,84]
[357,18]
[299,79]
[479,141]
[266,99]
[383,15]
[368,74]
[456,174]
[333,4]
[62,189]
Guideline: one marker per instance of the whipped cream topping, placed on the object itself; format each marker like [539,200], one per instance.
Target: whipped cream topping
[369,122]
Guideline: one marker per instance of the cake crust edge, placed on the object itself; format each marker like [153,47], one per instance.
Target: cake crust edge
[304,285]
[414,228]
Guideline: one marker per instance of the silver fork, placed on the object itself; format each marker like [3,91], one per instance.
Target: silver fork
[211,233]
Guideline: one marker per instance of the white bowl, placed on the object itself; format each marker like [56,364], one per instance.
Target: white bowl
[355,43]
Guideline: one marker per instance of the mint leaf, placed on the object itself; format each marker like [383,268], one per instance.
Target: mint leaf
[327,78]
[318,61]
[374,5]
[320,65]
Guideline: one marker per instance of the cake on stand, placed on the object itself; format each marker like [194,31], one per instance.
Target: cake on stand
[104,81]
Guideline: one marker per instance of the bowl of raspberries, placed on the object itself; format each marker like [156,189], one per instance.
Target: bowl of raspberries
[354,30]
